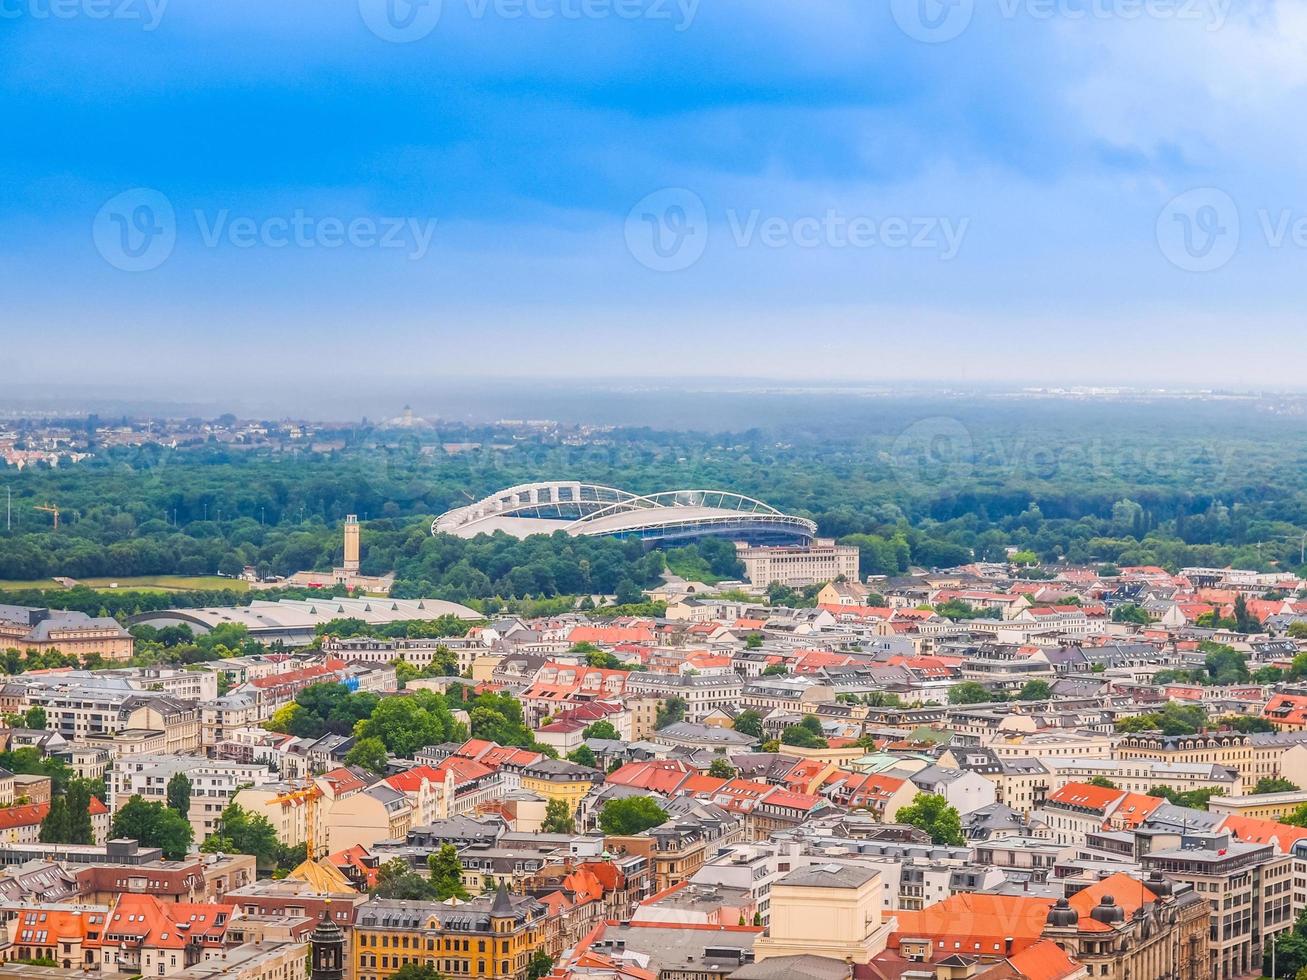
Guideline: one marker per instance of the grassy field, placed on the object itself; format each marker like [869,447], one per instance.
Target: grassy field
[153,583]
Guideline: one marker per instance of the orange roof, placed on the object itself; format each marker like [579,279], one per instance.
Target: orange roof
[1252,831]
[411,780]
[46,926]
[1045,960]
[1129,893]
[976,922]
[1085,796]
[97,807]
[642,633]
[1134,808]
[1286,709]
[352,857]
[23,816]
[657,775]
[168,925]
[343,781]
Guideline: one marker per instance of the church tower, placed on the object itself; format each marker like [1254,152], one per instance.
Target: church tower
[328,945]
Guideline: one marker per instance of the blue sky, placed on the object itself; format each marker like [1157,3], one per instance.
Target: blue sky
[1059,190]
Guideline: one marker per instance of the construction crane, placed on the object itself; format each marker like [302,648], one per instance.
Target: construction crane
[49,509]
[307,795]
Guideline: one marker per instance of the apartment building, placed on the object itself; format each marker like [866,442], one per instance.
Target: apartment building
[703,694]
[797,695]
[1256,755]
[821,561]
[489,938]
[99,714]
[214,784]
[1248,888]
[42,630]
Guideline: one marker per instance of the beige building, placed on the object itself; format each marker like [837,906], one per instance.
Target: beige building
[26,628]
[1248,888]
[1262,806]
[94,714]
[827,910]
[214,784]
[821,561]
[253,961]
[1255,756]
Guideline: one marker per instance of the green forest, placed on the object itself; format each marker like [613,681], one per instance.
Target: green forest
[1184,485]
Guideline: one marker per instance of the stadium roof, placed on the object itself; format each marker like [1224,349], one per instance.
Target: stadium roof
[587,510]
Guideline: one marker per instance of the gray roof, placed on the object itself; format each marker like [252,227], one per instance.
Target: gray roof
[829,876]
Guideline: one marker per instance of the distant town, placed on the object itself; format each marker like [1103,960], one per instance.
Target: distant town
[1000,769]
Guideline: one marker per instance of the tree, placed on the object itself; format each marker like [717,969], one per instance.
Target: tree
[56,828]
[753,641]
[34,717]
[749,722]
[1224,664]
[802,736]
[601,729]
[670,712]
[179,793]
[154,825]
[1298,629]
[775,670]
[630,816]
[1196,799]
[1290,951]
[447,873]
[540,965]
[721,769]
[1271,784]
[406,724]
[1244,621]
[582,756]
[558,818]
[369,754]
[932,813]
[1035,690]
[1174,719]
[1130,612]
[418,971]
[968,692]
[242,832]
[395,879]
[1102,782]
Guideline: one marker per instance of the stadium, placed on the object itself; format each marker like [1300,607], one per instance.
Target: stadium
[586,510]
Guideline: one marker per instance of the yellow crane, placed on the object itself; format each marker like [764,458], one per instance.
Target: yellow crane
[49,509]
[307,795]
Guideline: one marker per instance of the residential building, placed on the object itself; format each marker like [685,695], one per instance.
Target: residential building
[490,938]
[821,561]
